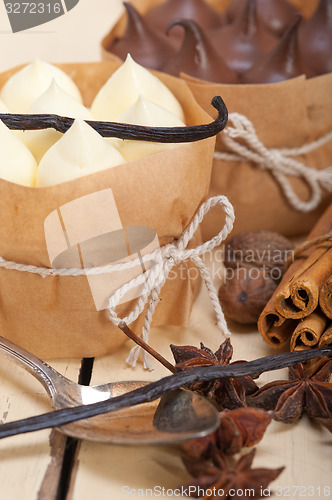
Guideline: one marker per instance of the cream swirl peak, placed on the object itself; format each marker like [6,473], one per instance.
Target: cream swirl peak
[123,88]
[26,85]
[81,151]
[145,112]
[3,107]
[53,101]
[17,164]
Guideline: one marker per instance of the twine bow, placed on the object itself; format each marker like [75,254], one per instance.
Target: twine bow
[163,260]
[169,256]
[241,139]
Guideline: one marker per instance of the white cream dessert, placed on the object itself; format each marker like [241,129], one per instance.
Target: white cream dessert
[145,112]
[23,88]
[16,162]
[3,107]
[53,101]
[81,151]
[123,88]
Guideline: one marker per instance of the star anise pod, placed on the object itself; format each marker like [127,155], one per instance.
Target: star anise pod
[227,393]
[327,422]
[218,479]
[307,390]
[242,427]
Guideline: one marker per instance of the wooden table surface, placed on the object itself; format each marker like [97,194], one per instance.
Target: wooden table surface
[46,465]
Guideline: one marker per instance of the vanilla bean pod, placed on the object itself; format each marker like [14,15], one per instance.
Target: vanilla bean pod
[125,130]
[155,390]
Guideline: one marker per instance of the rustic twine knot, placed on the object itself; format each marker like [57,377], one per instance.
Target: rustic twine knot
[155,277]
[241,139]
[161,261]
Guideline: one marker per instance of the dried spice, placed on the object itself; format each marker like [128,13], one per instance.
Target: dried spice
[250,422]
[124,130]
[226,393]
[309,331]
[326,422]
[156,389]
[254,263]
[239,428]
[305,287]
[259,249]
[219,479]
[308,390]
[243,298]
[325,298]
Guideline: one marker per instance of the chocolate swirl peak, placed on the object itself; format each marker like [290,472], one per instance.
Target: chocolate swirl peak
[275,15]
[197,10]
[147,46]
[242,43]
[197,57]
[315,37]
[284,62]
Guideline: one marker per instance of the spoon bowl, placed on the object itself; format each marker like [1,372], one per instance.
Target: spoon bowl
[177,416]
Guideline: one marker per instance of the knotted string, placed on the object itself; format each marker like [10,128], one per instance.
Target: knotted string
[155,277]
[241,139]
[159,264]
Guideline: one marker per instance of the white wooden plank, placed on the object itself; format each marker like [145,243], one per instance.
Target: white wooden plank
[303,448]
[25,459]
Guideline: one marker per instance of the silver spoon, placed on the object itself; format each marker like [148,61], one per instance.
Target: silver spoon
[177,416]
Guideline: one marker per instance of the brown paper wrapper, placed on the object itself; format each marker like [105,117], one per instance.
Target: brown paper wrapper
[285,115]
[56,316]
[288,114]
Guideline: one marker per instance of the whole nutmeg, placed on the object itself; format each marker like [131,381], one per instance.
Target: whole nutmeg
[254,262]
[244,296]
[263,249]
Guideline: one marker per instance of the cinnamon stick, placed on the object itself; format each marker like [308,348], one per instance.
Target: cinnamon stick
[275,330]
[325,298]
[271,322]
[326,338]
[300,296]
[308,331]
[312,267]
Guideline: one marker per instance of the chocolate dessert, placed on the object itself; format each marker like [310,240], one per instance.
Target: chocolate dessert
[275,15]
[284,62]
[147,46]
[242,43]
[197,57]
[315,38]
[197,10]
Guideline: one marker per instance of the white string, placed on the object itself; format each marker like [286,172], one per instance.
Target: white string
[277,161]
[161,261]
[173,254]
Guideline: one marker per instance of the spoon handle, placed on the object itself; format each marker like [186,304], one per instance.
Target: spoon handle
[43,372]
